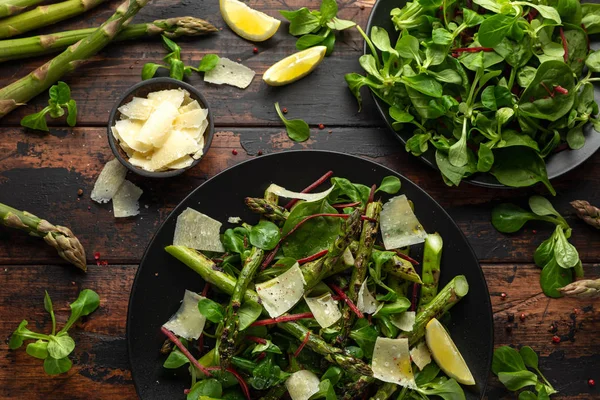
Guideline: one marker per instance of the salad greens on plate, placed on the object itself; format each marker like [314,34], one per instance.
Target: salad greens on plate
[317,298]
[492,86]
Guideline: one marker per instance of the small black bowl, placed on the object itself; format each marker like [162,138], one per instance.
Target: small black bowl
[142,89]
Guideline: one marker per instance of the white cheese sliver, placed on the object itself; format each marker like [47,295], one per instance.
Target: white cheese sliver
[283,192]
[198,231]
[191,119]
[420,355]
[187,322]
[399,225]
[404,321]
[234,220]
[325,309]
[177,145]
[125,201]
[230,73]
[128,130]
[173,96]
[137,108]
[302,384]
[280,294]
[183,162]
[109,181]
[140,160]
[391,362]
[158,126]
[193,105]
[347,257]
[366,302]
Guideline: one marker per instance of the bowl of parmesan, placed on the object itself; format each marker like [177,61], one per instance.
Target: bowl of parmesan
[160,128]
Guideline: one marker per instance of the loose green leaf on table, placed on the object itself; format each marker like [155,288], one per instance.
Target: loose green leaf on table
[297,129]
[60,98]
[53,348]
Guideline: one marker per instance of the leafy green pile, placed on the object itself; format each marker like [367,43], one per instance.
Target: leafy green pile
[177,69]
[316,28]
[513,369]
[55,348]
[557,257]
[496,86]
[333,242]
[60,98]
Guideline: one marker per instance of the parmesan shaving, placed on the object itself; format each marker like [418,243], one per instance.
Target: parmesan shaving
[366,302]
[404,321]
[192,105]
[391,362]
[234,220]
[128,130]
[198,231]
[230,73]
[125,201]
[187,322]
[109,181]
[325,309]
[173,96]
[280,294]
[177,145]
[283,192]
[156,129]
[347,257]
[183,162]
[137,108]
[301,385]
[399,225]
[420,355]
[191,119]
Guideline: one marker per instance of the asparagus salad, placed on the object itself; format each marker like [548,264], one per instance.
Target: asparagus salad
[319,299]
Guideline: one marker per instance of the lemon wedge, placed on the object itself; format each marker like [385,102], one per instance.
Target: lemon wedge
[446,354]
[247,22]
[294,67]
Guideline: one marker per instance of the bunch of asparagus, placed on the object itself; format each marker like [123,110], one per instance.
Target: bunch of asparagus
[76,46]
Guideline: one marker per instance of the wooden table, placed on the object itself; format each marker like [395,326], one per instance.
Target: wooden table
[43,172]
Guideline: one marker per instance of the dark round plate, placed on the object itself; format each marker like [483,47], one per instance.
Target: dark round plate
[557,164]
[161,280]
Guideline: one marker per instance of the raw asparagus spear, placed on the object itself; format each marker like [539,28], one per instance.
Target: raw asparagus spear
[587,212]
[59,237]
[455,290]
[11,7]
[368,235]
[23,90]
[34,46]
[586,288]
[231,323]
[432,257]
[44,16]
[320,346]
[267,209]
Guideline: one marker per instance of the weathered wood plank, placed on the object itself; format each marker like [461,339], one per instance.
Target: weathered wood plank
[100,358]
[322,97]
[42,173]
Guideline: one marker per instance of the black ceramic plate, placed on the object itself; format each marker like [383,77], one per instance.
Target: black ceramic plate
[161,280]
[557,164]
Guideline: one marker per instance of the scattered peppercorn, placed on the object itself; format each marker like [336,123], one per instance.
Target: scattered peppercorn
[260,153]
[509,328]
[284,110]
[522,317]
[511,317]
[255,50]
[534,231]
[503,296]
[591,383]
[329,131]
[555,339]
[96,256]
[321,126]
[79,192]
[362,6]
[553,328]
[234,152]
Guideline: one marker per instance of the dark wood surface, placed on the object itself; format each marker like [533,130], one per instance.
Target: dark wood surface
[43,172]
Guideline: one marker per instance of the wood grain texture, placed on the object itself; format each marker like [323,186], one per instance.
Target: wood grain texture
[43,173]
[322,97]
[100,358]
